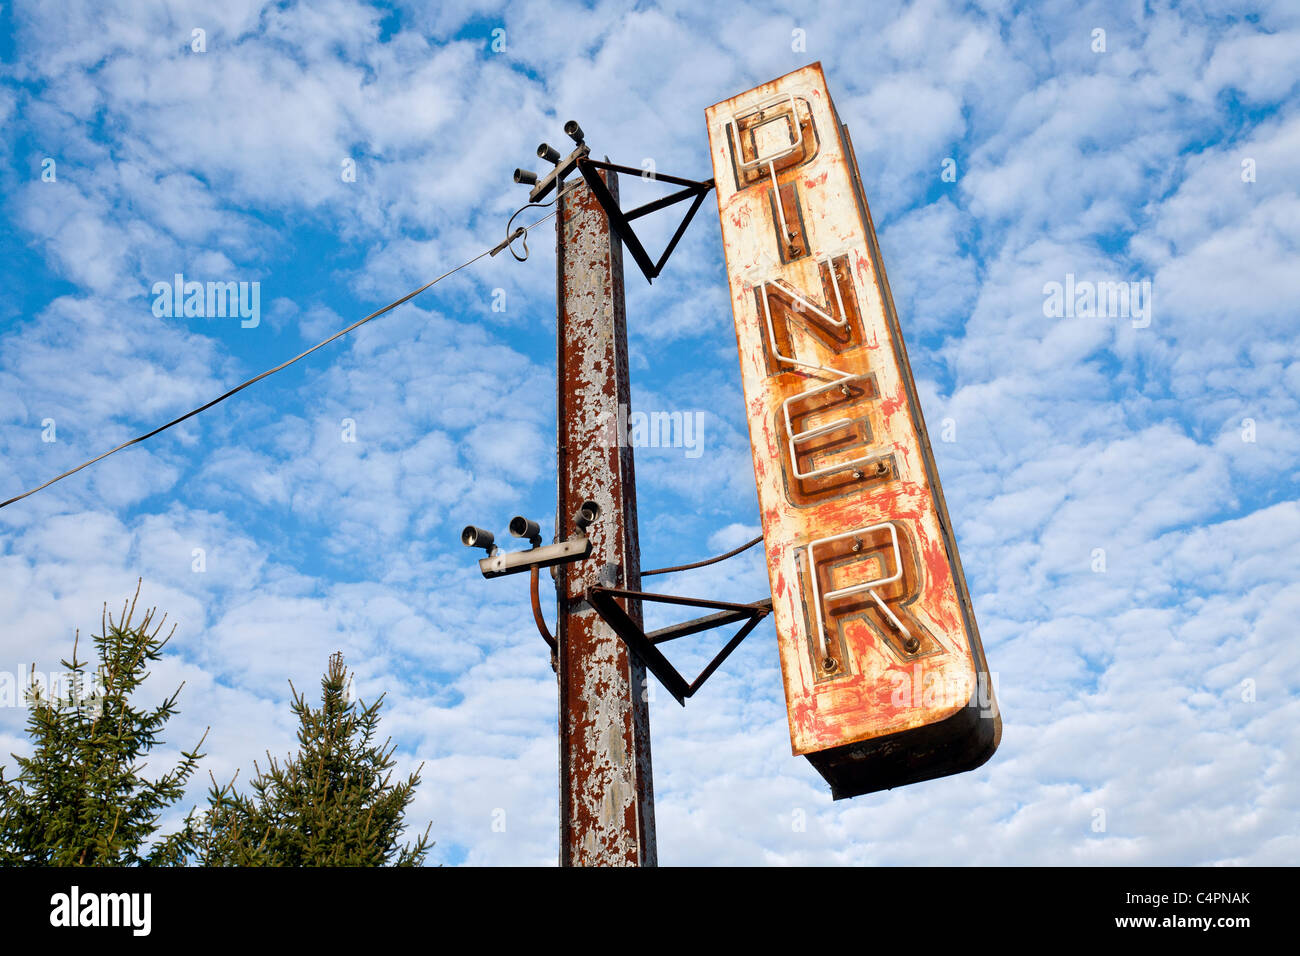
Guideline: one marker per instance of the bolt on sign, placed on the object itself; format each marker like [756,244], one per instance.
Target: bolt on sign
[885,677]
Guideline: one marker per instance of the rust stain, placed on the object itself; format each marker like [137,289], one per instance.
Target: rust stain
[606,793]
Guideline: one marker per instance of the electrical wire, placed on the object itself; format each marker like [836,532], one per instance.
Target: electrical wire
[542,629]
[257,378]
[700,564]
[512,236]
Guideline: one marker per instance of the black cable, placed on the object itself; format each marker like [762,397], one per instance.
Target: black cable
[700,564]
[283,365]
[508,243]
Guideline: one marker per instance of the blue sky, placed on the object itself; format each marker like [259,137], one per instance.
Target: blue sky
[1149,699]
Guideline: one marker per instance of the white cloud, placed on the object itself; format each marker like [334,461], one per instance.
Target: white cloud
[1123,691]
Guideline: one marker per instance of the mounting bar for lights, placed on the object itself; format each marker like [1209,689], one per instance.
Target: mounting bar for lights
[557,173]
[499,563]
[513,562]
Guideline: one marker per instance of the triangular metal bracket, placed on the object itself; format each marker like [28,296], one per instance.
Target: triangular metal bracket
[604,601]
[621,222]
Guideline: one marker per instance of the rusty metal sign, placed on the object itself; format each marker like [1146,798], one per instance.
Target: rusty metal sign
[885,677]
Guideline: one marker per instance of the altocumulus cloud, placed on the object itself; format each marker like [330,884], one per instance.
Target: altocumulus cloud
[1124,497]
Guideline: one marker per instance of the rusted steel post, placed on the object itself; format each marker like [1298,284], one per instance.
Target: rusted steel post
[606,794]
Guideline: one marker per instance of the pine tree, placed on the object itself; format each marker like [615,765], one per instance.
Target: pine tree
[81,798]
[332,804]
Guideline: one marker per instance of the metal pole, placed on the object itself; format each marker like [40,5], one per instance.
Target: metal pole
[606,794]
